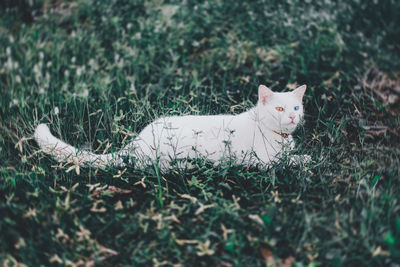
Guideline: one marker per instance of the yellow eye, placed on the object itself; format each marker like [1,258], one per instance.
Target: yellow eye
[279,108]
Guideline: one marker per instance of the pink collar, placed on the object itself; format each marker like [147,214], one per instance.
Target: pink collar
[284,135]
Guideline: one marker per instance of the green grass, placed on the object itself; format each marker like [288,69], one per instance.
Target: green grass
[111,67]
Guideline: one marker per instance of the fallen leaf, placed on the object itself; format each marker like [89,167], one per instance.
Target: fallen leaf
[74,167]
[375,130]
[62,236]
[182,242]
[83,234]
[157,263]
[226,231]
[74,186]
[192,199]
[246,79]
[236,201]
[31,213]
[159,219]
[203,208]
[172,218]
[232,108]
[292,86]
[141,182]
[92,186]
[113,189]
[256,218]
[55,258]
[268,256]
[204,249]
[275,194]
[387,89]
[96,209]
[118,205]
[380,252]
[120,173]
[106,253]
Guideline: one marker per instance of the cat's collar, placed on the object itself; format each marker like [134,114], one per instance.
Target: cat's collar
[284,135]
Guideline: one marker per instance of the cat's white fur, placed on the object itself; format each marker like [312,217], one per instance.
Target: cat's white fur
[254,137]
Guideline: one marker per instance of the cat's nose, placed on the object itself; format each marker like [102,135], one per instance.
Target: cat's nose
[291,116]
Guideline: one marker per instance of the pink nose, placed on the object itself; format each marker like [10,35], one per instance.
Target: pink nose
[292,117]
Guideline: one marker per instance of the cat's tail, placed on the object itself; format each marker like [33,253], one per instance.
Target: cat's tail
[63,152]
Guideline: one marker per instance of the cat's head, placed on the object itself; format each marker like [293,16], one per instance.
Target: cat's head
[280,112]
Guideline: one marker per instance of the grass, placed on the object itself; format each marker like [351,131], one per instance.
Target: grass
[98,71]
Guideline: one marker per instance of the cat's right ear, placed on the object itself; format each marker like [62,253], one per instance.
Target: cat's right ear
[264,94]
[299,91]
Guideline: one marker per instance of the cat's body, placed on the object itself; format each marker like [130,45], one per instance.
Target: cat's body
[257,136]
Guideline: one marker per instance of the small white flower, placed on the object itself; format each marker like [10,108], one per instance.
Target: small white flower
[9,63]
[73,60]
[81,91]
[93,64]
[85,93]
[107,80]
[66,73]
[37,72]
[56,110]
[275,194]
[64,87]
[17,79]
[49,63]
[80,70]
[47,77]
[11,38]
[36,69]
[120,63]
[129,26]
[41,55]
[132,88]
[8,51]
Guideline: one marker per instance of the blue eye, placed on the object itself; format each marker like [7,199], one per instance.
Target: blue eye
[296,108]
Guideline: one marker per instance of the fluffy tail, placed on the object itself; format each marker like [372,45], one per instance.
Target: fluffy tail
[63,152]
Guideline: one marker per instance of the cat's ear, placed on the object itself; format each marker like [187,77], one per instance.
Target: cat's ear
[264,94]
[299,91]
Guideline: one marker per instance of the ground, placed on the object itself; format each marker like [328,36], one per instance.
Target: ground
[98,71]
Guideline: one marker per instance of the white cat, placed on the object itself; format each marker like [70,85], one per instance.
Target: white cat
[255,137]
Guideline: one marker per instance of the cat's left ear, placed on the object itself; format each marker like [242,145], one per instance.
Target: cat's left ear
[299,91]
